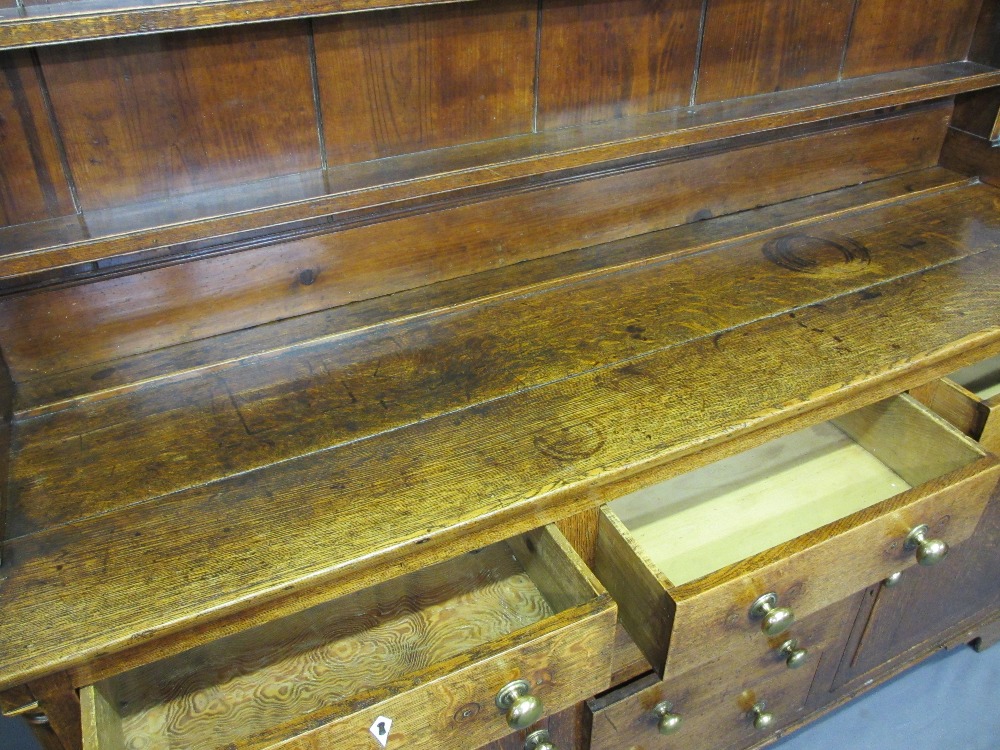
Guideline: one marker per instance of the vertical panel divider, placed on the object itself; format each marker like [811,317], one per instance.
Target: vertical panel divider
[697,53]
[56,133]
[538,68]
[847,40]
[317,99]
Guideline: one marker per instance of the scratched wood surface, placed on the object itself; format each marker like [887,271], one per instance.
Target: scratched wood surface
[162,115]
[162,439]
[759,46]
[33,185]
[460,474]
[416,79]
[56,391]
[604,59]
[234,291]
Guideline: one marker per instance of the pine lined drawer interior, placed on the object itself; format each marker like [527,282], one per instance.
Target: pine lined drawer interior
[415,662]
[790,526]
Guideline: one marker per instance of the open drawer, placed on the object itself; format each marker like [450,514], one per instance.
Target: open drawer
[700,564]
[416,662]
[970,400]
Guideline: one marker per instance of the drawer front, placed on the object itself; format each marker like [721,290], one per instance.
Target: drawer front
[714,705]
[715,699]
[681,627]
[269,699]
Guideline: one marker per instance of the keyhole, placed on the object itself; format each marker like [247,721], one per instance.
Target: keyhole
[381,727]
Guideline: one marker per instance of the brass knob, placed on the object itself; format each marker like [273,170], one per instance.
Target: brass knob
[522,709]
[893,580]
[762,719]
[774,620]
[795,657]
[669,722]
[539,740]
[929,551]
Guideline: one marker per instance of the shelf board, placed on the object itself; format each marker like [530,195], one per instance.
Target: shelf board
[322,201]
[78,20]
[249,489]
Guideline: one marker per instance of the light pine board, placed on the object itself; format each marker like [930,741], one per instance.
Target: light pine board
[722,513]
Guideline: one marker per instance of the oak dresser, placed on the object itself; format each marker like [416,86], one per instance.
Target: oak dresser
[513,374]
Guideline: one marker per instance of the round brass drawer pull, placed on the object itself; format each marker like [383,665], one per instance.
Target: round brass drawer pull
[774,619]
[762,720]
[929,551]
[893,580]
[668,722]
[522,709]
[795,657]
[539,740]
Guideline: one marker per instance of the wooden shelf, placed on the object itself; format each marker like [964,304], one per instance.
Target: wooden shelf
[318,202]
[270,483]
[78,20]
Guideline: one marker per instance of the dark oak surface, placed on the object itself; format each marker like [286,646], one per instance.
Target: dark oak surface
[373,191]
[417,79]
[759,47]
[605,59]
[895,34]
[161,115]
[302,276]
[538,450]
[32,183]
[73,20]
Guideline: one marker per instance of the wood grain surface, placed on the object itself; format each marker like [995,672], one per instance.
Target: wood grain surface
[162,115]
[894,34]
[411,644]
[415,79]
[954,403]
[33,185]
[604,59]
[150,310]
[712,701]
[524,459]
[367,191]
[162,439]
[333,655]
[57,391]
[759,46]
[72,20]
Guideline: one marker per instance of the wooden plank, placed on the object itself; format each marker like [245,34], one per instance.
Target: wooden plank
[102,723]
[968,154]
[960,407]
[153,117]
[74,20]
[147,311]
[416,79]
[7,391]
[60,704]
[33,185]
[760,46]
[366,192]
[162,439]
[450,482]
[910,439]
[604,59]
[192,359]
[894,34]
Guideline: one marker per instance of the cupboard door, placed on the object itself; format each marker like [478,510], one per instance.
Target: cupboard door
[924,602]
